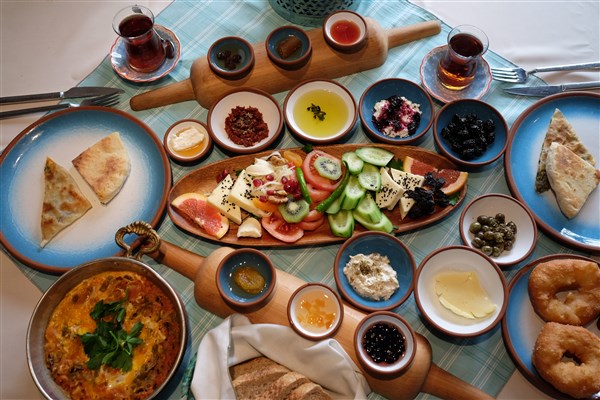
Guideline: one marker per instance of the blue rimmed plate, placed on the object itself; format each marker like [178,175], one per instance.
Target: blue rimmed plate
[479,87]
[63,136]
[521,325]
[582,110]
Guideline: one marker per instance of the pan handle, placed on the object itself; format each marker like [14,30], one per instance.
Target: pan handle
[150,239]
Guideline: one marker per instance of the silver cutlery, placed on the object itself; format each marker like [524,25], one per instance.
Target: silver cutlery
[73,93]
[107,100]
[519,75]
[547,90]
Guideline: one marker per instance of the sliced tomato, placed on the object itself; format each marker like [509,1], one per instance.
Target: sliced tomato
[281,230]
[317,195]
[312,225]
[312,176]
[313,215]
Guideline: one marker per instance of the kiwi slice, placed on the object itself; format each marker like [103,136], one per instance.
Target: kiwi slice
[294,211]
[328,168]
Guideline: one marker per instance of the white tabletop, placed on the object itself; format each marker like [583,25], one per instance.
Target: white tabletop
[78,35]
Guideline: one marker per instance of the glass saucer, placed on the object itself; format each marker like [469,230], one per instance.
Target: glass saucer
[479,87]
[117,59]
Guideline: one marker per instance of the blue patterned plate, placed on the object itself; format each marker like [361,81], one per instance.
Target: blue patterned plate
[63,136]
[117,59]
[521,325]
[479,87]
[582,110]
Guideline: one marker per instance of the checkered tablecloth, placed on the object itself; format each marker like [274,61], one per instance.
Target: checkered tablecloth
[482,361]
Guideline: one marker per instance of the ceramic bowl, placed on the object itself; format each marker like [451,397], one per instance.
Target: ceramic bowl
[231,57]
[231,292]
[190,154]
[345,31]
[318,300]
[308,123]
[386,88]
[289,47]
[380,369]
[483,111]
[401,260]
[513,210]
[245,97]
[459,259]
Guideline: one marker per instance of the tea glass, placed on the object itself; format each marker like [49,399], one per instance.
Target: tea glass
[145,50]
[457,67]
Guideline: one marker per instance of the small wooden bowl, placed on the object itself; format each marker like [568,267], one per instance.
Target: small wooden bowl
[192,154]
[236,46]
[354,21]
[321,292]
[289,47]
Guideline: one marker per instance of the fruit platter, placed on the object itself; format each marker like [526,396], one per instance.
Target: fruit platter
[319,196]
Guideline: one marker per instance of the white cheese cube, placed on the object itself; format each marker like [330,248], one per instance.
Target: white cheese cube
[390,191]
[241,194]
[220,199]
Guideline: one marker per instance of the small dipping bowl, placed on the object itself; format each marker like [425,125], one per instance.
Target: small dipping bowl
[401,260]
[371,324]
[289,47]
[513,210]
[383,90]
[345,31]
[483,111]
[231,292]
[335,104]
[245,97]
[190,154]
[460,259]
[231,57]
[315,311]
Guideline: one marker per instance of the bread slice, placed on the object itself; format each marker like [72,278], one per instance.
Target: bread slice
[250,384]
[105,166]
[571,178]
[282,387]
[249,366]
[309,391]
[559,131]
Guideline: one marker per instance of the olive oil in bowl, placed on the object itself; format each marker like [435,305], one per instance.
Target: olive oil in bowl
[320,113]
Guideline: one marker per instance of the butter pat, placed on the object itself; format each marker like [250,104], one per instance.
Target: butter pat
[187,138]
[461,293]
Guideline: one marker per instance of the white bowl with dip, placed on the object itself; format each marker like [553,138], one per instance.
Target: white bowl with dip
[320,111]
[187,140]
[247,98]
[315,311]
[448,266]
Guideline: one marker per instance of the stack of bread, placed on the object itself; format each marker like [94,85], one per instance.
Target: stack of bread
[566,166]
[263,379]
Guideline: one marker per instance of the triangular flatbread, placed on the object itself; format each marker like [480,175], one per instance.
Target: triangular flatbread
[105,166]
[572,179]
[559,131]
[63,201]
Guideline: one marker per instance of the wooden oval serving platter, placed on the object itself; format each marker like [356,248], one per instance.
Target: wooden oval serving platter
[203,181]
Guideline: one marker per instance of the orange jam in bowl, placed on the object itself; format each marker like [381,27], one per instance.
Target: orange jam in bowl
[315,311]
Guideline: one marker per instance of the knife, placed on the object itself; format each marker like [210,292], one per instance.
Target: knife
[542,91]
[76,92]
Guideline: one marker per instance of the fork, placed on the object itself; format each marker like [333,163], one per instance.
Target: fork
[519,75]
[107,100]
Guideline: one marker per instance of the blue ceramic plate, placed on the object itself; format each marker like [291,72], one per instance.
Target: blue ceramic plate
[400,258]
[479,87]
[117,59]
[582,110]
[63,136]
[521,325]
[386,88]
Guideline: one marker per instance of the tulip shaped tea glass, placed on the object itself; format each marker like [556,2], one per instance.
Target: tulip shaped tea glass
[145,50]
[466,44]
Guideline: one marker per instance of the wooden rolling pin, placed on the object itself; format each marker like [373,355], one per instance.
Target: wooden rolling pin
[326,63]
[421,376]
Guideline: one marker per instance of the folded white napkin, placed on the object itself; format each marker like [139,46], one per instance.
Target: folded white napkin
[236,340]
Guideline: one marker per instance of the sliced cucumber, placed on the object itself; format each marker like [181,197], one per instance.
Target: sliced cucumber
[328,167]
[353,194]
[374,155]
[368,210]
[384,225]
[294,210]
[370,177]
[335,206]
[355,164]
[342,223]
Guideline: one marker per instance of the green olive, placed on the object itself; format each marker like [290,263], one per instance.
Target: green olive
[487,250]
[500,218]
[475,227]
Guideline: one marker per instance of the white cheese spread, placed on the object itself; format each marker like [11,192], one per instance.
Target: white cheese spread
[371,276]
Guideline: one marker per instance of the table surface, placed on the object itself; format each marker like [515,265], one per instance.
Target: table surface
[523,32]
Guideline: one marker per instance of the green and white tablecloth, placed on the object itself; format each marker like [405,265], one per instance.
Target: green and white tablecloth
[482,361]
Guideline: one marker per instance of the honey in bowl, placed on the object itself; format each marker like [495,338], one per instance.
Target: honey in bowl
[320,113]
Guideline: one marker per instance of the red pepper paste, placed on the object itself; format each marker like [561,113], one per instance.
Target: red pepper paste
[245,126]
